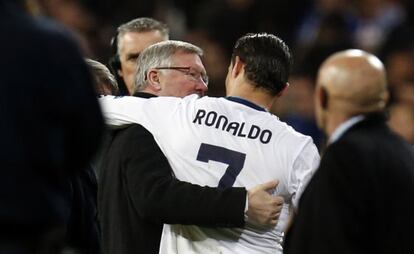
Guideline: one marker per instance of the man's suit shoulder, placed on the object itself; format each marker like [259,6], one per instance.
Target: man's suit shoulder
[132,131]
[376,149]
[131,141]
[371,138]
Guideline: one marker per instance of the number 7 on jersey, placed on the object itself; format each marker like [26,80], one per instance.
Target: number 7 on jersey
[234,159]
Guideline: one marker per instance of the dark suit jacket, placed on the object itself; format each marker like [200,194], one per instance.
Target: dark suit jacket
[138,193]
[361,199]
[50,127]
[83,231]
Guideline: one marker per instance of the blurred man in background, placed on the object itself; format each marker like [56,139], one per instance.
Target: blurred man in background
[128,43]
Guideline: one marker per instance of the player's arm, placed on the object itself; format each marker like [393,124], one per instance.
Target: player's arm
[158,196]
[119,111]
[304,166]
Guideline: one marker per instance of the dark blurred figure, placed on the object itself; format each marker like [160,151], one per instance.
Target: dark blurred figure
[51,125]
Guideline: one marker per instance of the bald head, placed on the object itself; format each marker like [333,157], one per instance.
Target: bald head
[354,82]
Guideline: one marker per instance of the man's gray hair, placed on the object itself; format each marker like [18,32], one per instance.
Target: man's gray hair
[160,55]
[141,25]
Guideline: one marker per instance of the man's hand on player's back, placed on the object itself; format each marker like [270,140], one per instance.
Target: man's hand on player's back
[264,209]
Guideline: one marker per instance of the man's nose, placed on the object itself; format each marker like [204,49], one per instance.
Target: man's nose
[201,87]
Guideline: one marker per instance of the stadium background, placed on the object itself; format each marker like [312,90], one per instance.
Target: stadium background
[312,28]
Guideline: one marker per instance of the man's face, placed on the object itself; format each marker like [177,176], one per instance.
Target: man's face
[182,82]
[131,45]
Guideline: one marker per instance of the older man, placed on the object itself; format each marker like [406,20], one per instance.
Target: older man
[360,199]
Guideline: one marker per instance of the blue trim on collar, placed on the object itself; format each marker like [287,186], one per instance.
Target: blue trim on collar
[246,103]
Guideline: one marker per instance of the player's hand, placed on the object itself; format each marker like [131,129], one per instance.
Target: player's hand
[264,209]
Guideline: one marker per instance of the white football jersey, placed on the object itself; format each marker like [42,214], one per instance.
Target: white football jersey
[222,142]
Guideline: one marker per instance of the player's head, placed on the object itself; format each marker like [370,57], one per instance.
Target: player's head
[171,68]
[265,60]
[349,83]
[131,39]
[105,83]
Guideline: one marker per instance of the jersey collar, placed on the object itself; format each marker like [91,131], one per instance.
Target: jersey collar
[246,103]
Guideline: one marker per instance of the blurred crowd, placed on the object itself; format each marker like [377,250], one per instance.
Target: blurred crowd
[313,29]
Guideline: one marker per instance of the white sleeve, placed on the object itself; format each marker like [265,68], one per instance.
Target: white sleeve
[148,112]
[303,169]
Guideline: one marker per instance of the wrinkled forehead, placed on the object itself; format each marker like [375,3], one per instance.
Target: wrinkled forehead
[187,59]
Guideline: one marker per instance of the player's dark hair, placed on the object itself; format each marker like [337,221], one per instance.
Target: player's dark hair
[267,60]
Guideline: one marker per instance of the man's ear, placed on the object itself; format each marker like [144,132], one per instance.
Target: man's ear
[153,79]
[323,97]
[283,90]
[120,73]
[238,67]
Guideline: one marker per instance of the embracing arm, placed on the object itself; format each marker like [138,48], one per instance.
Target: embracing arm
[158,196]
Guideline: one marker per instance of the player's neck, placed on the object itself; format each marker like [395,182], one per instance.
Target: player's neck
[253,94]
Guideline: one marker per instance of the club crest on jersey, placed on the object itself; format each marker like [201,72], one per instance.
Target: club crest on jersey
[239,129]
